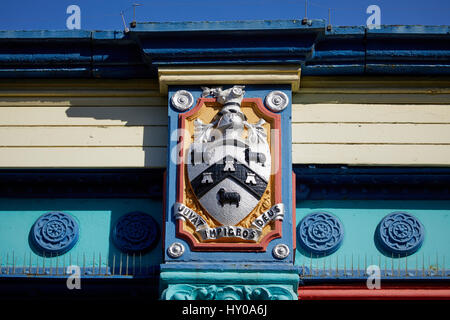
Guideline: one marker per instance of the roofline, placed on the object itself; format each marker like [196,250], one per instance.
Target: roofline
[238,25]
[346,50]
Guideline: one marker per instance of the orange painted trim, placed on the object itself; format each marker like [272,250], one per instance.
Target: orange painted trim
[236,247]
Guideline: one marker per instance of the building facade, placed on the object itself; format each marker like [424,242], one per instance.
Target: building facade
[213,160]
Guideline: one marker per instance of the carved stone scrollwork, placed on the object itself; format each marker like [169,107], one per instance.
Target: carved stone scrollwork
[276,101]
[399,233]
[182,100]
[228,292]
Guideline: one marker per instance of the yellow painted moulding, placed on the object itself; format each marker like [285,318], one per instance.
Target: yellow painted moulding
[207,75]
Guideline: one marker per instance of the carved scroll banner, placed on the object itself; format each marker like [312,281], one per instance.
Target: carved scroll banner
[206,233]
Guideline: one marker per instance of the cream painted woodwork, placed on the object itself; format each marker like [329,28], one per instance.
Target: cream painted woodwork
[123,123]
[372,154]
[395,121]
[82,123]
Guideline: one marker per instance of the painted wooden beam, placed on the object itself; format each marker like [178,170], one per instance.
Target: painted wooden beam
[207,75]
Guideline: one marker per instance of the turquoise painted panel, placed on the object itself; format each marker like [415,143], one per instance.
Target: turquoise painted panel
[360,220]
[96,219]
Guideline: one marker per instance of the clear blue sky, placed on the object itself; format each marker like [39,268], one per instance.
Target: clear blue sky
[105,14]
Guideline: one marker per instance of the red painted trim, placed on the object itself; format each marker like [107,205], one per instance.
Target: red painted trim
[390,291]
[164,213]
[294,224]
[246,247]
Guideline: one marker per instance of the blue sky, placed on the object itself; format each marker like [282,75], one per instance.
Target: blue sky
[105,14]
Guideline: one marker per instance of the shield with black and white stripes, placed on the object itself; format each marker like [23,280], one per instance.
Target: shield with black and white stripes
[229,176]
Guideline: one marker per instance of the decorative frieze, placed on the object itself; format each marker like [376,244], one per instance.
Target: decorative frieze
[228,292]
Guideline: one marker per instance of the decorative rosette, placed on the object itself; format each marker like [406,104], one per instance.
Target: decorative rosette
[399,233]
[54,233]
[277,101]
[182,100]
[135,232]
[320,233]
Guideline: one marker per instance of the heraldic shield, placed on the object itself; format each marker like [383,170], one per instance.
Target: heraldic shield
[229,172]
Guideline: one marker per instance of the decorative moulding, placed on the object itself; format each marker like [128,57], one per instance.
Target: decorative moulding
[228,292]
[339,182]
[82,183]
[208,75]
[223,281]
[54,233]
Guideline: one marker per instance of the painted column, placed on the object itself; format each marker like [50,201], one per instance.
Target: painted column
[229,222]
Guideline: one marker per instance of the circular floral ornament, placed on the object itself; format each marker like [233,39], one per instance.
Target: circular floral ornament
[135,232]
[320,233]
[277,101]
[182,100]
[399,233]
[54,233]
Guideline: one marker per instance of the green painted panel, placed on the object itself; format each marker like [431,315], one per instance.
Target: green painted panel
[96,218]
[360,219]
